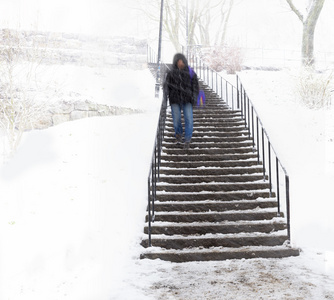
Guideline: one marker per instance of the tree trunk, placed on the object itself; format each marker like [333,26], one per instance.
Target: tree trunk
[309,24]
[308,33]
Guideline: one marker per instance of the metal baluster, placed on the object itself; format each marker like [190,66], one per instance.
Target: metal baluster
[263,156]
[253,133]
[257,139]
[248,113]
[221,87]
[232,97]
[238,94]
[278,190]
[269,166]
[287,187]
[149,214]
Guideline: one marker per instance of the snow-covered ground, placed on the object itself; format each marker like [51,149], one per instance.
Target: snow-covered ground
[73,200]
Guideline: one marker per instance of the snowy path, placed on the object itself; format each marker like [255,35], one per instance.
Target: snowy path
[276,279]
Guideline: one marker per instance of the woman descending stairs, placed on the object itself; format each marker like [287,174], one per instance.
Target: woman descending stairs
[212,200]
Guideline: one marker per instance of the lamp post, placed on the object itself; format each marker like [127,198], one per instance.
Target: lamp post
[187,31]
[157,84]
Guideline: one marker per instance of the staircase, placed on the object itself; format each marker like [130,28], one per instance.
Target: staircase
[213,202]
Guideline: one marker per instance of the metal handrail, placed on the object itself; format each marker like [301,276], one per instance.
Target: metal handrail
[237,99]
[153,176]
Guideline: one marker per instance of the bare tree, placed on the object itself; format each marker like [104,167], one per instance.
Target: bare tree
[207,20]
[18,109]
[172,22]
[309,23]
[213,21]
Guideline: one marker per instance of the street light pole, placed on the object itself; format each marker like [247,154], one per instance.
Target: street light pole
[187,31]
[157,84]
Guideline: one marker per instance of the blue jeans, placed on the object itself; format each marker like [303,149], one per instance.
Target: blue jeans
[187,109]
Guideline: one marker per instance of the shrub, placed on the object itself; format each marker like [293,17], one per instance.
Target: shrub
[227,58]
[314,88]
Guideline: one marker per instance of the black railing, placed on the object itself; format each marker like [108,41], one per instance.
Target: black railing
[154,172]
[236,98]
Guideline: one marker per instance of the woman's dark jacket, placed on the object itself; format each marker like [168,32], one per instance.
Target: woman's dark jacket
[180,87]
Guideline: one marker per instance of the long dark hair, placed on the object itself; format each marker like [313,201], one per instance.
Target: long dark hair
[177,57]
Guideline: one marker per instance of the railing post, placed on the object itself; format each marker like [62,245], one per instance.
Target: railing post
[208,75]
[269,166]
[221,87]
[257,139]
[278,190]
[232,100]
[241,100]
[263,155]
[154,183]
[226,93]
[248,114]
[287,187]
[238,96]
[212,85]
[149,229]
[244,103]
[253,133]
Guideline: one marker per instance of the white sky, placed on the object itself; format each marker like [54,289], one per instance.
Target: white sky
[82,16]
[253,23]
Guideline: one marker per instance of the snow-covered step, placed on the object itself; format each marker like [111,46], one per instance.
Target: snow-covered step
[210,171]
[181,179]
[190,217]
[209,145]
[217,164]
[227,227]
[222,196]
[198,127]
[209,151]
[212,187]
[218,117]
[220,253]
[204,139]
[221,123]
[187,157]
[204,132]
[219,240]
[214,205]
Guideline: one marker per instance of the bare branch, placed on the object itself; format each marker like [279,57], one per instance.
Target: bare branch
[295,10]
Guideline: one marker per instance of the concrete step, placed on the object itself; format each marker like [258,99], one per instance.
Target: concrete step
[203,228]
[222,117]
[204,139]
[215,113]
[209,151]
[190,217]
[203,145]
[200,132]
[210,130]
[207,171]
[212,187]
[218,254]
[187,156]
[181,179]
[208,241]
[219,196]
[216,122]
[208,164]
[208,206]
